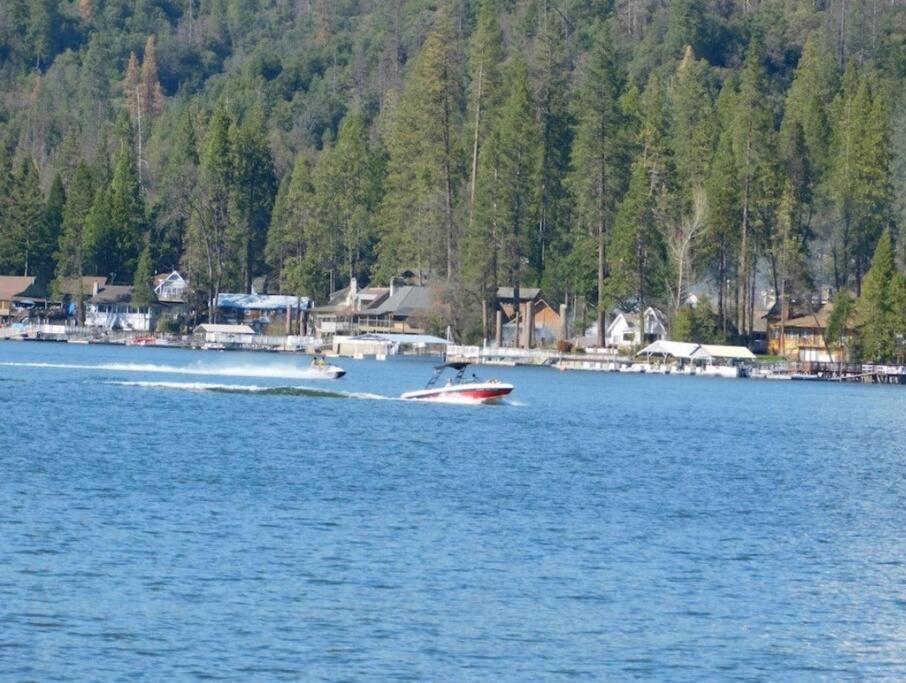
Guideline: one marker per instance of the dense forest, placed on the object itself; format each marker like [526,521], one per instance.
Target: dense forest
[615,153]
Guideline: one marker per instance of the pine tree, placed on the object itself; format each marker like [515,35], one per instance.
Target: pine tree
[292,236]
[72,245]
[506,202]
[485,56]
[808,101]
[693,135]
[876,305]
[598,157]
[100,249]
[254,183]
[41,25]
[556,121]
[24,245]
[211,251]
[132,87]
[346,183]
[721,241]
[127,212]
[177,183]
[142,289]
[53,227]
[859,184]
[755,152]
[486,53]
[425,165]
[149,84]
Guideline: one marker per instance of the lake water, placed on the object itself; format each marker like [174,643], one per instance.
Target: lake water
[168,514]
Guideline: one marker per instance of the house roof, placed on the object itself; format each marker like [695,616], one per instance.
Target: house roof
[632,319]
[260,302]
[224,329]
[163,277]
[406,301]
[70,285]
[367,297]
[808,321]
[113,294]
[11,285]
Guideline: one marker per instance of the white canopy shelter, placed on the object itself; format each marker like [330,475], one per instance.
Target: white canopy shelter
[712,351]
[674,349]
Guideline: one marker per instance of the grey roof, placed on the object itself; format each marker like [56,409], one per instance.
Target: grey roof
[113,294]
[406,301]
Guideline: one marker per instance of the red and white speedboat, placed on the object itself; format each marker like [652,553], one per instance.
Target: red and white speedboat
[459,390]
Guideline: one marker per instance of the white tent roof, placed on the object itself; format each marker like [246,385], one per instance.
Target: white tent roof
[719,351]
[225,329]
[676,349]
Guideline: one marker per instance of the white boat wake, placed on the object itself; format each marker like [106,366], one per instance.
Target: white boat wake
[283,371]
[251,389]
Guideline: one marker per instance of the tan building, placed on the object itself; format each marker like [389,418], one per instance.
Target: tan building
[802,336]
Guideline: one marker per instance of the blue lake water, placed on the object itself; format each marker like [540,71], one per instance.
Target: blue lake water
[167,514]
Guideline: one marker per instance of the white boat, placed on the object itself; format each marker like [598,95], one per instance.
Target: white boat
[326,370]
[458,390]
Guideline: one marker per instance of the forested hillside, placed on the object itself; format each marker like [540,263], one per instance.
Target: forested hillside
[614,153]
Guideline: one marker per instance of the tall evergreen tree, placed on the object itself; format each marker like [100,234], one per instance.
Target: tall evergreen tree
[71,255]
[552,66]
[127,212]
[212,252]
[254,183]
[808,101]
[878,317]
[293,237]
[598,156]
[723,192]
[425,164]
[859,183]
[755,151]
[347,186]
[142,286]
[174,197]
[24,241]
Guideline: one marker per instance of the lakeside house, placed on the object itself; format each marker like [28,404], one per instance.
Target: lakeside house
[14,290]
[628,330]
[397,309]
[111,308]
[72,290]
[171,288]
[540,322]
[801,337]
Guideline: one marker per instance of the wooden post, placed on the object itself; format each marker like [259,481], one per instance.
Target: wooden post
[498,330]
[289,319]
[564,324]
[529,324]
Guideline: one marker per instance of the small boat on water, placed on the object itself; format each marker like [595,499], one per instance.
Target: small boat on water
[327,370]
[141,340]
[458,389]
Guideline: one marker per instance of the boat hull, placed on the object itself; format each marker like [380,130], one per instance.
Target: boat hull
[474,393]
